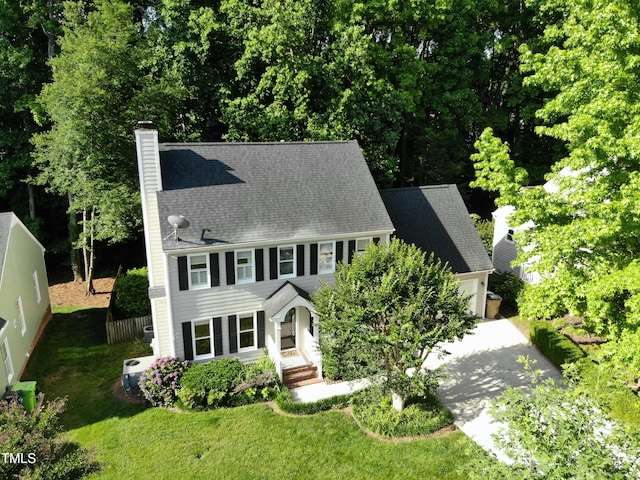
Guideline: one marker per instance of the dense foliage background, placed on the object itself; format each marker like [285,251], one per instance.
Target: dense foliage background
[414,82]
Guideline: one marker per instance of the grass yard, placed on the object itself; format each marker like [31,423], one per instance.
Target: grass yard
[248,442]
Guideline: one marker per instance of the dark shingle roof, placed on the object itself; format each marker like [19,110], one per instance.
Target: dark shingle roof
[5,228]
[261,192]
[436,219]
[281,297]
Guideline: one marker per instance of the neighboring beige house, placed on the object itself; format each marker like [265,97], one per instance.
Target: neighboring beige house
[24,297]
[239,235]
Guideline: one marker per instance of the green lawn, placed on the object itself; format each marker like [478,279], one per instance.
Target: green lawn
[247,442]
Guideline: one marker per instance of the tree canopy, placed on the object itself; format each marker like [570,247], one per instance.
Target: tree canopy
[583,238]
[386,312]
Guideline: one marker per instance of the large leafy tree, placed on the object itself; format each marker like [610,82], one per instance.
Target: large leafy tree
[392,306]
[101,86]
[27,35]
[585,228]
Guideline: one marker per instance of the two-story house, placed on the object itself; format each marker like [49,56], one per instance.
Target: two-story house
[24,297]
[239,235]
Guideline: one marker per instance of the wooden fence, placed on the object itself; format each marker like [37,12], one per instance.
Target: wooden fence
[128,329]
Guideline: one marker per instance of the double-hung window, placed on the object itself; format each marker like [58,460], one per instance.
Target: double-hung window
[245,273]
[509,236]
[5,354]
[203,339]
[361,244]
[20,316]
[286,261]
[326,258]
[198,272]
[247,331]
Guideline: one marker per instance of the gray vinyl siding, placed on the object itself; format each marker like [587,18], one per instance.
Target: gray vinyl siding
[505,252]
[225,300]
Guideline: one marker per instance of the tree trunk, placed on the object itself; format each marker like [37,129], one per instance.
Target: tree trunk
[32,202]
[76,259]
[87,250]
[398,401]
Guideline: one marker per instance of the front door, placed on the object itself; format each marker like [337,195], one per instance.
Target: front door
[288,330]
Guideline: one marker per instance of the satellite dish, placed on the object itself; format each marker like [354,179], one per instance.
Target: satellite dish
[177,222]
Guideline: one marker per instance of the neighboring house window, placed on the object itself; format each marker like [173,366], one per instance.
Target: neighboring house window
[245,272]
[361,244]
[509,236]
[247,331]
[202,339]
[6,359]
[36,285]
[20,316]
[198,271]
[286,262]
[326,263]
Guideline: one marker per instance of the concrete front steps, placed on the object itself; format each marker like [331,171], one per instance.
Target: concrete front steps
[300,376]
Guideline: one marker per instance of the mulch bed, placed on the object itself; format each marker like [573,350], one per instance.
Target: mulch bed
[72,293]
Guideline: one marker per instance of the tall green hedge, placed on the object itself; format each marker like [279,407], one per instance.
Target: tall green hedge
[558,348]
[132,294]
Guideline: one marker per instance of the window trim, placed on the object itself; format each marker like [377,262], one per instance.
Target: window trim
[293,261]
[7,362]
[239,331]
[253,265]
[207,269]
[203,321]
[36,284]
[20,316]
[333,257]
[509,236]
[368,240]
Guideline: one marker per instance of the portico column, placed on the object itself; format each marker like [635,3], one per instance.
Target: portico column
[278,330]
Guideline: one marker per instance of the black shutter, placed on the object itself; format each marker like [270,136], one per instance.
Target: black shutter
[314,259]
[183,274]
[214,264]
[230,260]
[299,260]
[261,332]
[217,336]
[187,340]
[259,264]
[352,248]
[273,263]
[233,334]
[339,252]
[376,240]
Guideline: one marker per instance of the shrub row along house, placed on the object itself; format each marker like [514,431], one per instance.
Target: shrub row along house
[24,297]
[239,235]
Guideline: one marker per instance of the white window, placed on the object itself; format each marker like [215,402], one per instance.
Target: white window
[245,272]
[203,339]
[326,263]
[247,332]
[198,272]
[6,359]
[36,285]
[361,244]
[286,262]
[20,316]
[509,236]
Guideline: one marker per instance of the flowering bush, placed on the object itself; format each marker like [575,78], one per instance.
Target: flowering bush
[159,383]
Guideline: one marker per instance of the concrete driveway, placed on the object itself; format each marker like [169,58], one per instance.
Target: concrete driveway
[481,366]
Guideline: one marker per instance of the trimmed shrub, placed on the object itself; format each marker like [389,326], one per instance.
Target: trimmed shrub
[508,286]
[211,384]
[420,416]
[160,382]
[131,294]
[558,348]
[286,404]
